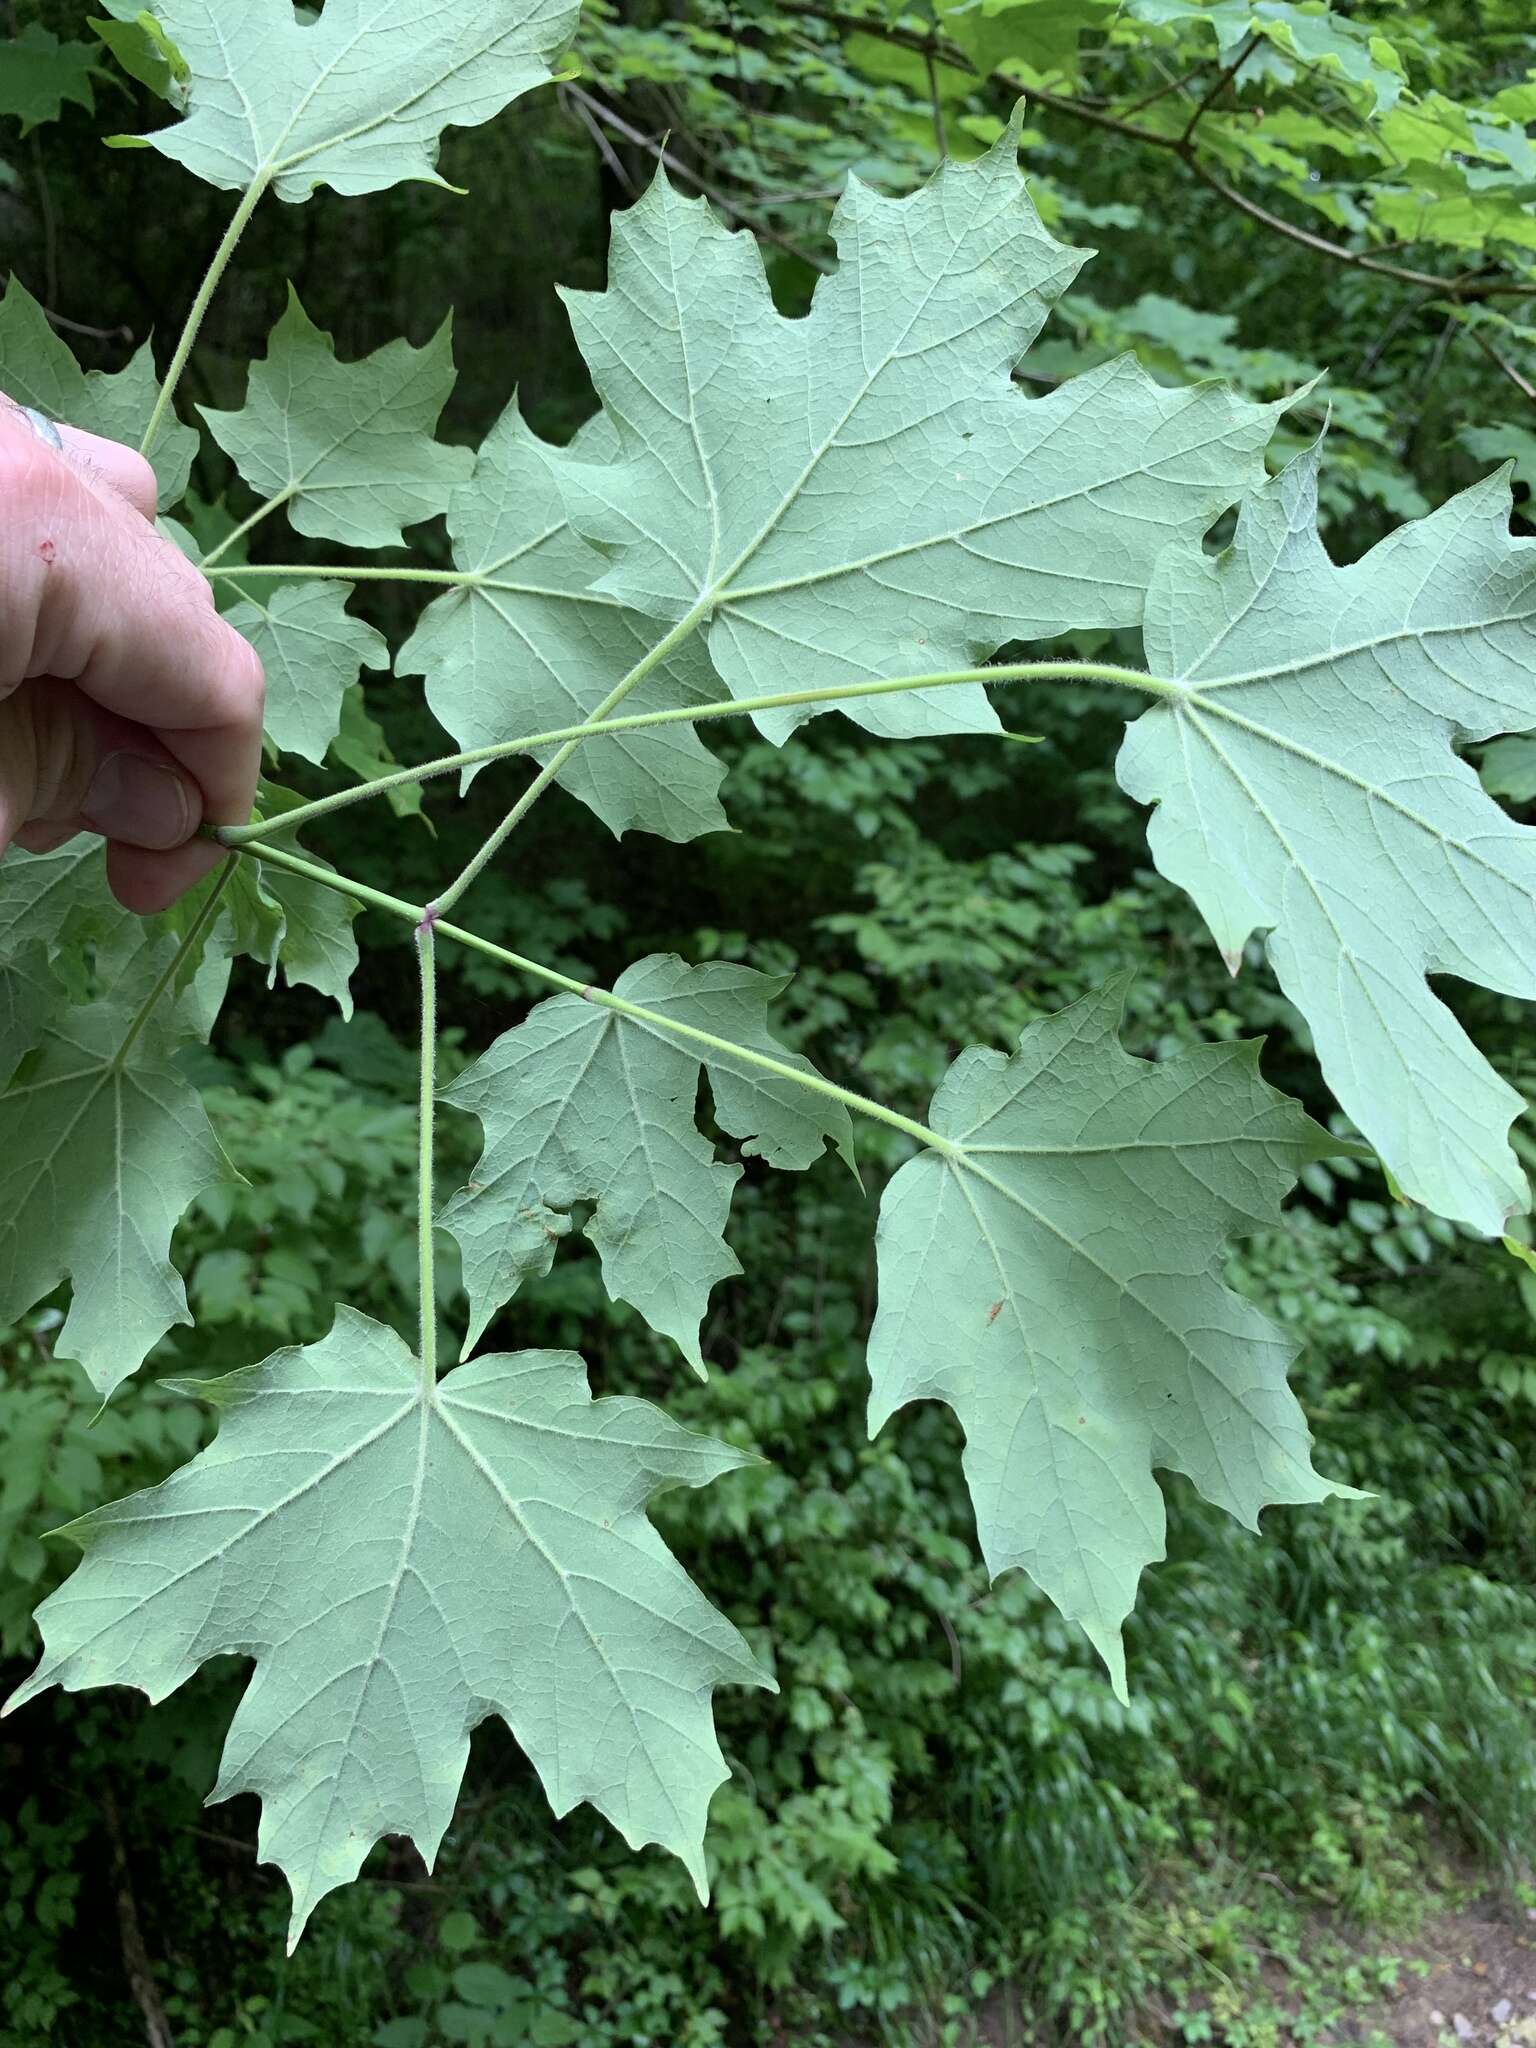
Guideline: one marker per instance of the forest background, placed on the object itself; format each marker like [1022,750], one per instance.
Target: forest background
[943,1827]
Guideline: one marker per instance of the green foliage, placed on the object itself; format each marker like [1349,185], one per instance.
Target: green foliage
[40,371]
[40,74]
[798,495]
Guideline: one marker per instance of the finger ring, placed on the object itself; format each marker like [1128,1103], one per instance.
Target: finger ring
[43,427]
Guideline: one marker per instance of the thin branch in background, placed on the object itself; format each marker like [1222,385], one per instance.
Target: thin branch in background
[1170,85]
[938,107]
[50,224]
[1408,311]
[616,125]
[1521,382]
[1059,103]
[605,148]
[1442,348]
[743,88]
[123,333]
[141,1978]
[1223,79]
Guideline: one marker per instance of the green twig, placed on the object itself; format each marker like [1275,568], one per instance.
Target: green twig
[426,951]
[426,916]
[688,714]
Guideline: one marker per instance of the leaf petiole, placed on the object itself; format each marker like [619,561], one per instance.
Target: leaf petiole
[546,775]
[427,918]
[732,707]
[200,305]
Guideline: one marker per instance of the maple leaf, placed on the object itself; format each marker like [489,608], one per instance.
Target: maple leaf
[356,100]
[530,647]
[104,1144]
[865,492]
[312,650]
[1308,787]
[403,1559]
[38,369]
[583,1104]
[346,448]
[1054,1274]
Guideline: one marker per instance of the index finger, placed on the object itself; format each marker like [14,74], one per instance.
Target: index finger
[92,594]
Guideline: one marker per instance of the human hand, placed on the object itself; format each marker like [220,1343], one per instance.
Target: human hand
[127,706]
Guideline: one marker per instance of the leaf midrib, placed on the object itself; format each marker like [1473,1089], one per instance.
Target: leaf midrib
[719,587]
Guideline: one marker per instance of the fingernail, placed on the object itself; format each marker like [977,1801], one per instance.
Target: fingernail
[140,803]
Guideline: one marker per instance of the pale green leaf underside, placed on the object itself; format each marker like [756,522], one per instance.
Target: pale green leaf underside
[865,492]
[287,921]
[97,1165]
[357,100]
[1307,787]
[531,648]
[347,448]
[38,369]
[99,1159]
[1057,1280]
[313,944]
[401,1563]
[312,650]
[61,902]
[580,1104]
[44,896]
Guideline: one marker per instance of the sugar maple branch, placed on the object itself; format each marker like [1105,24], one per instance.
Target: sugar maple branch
[420,915]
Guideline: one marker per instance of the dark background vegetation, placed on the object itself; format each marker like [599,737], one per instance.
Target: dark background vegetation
[943,1814]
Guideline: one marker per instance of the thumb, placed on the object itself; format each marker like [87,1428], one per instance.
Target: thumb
[71,766]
